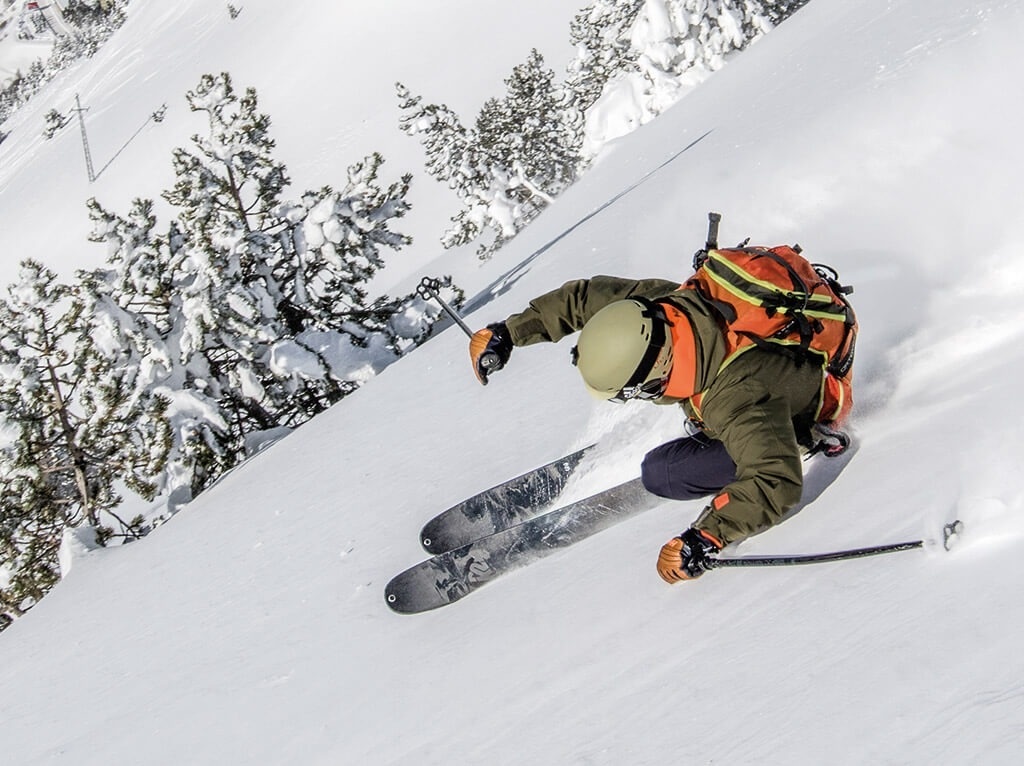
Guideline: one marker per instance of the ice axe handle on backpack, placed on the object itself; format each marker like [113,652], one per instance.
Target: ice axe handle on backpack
[712,242]
[713,220]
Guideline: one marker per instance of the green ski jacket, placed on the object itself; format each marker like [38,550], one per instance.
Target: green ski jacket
[760,405]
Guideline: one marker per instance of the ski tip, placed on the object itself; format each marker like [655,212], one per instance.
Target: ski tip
[433,533]
[951,534]
[394,599]
[414,590]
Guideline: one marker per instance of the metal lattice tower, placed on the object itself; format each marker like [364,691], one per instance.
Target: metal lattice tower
[85,138]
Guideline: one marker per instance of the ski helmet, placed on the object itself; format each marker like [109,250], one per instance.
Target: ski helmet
[624,351]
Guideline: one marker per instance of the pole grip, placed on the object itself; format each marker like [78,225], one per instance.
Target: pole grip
[427,289]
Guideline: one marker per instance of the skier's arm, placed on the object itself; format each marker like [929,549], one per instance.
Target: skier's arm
[554,315]
[756,429]
[564,311]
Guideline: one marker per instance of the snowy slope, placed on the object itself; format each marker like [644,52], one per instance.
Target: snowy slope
[881,135]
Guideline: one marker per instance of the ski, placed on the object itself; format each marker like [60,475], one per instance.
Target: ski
[454,574]
[501,506]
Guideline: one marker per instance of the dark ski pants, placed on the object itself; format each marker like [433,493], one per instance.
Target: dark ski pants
[688,468]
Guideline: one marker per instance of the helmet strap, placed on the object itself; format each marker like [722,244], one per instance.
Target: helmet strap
[655,345]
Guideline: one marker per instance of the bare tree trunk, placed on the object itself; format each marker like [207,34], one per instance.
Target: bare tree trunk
[78,460]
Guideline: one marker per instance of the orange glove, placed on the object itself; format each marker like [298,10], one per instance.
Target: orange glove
[686,557]
[489,350]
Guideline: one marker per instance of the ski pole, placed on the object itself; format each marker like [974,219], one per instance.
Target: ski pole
[949,532]
[427,289]
[817,558]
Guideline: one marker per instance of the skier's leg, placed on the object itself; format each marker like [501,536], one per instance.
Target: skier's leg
[687,468]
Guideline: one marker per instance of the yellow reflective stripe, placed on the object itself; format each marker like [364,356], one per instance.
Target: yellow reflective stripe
[736,355]
[840,400]
[839,314]
[731,288]
[779,341]
[694,406]
[732,357]
[787,342]
[770,286]
[821,398]
[717,256]
[743,349]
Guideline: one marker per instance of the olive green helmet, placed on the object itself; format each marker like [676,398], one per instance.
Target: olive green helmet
[625,352]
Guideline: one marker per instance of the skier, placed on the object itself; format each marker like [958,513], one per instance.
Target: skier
[652,340]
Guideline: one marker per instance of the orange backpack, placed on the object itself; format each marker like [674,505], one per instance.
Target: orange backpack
[775,299]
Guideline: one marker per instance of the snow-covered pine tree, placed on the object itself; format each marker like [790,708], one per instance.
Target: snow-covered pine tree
[650,53]
[337,241]
[446,142]
[226,194]
[451,157]
[534,130]
[74,422]
[31,528]
[141,362]
[276,291]
[522,151]
[140,273]
[601,34]
[73,401]
[53,121]
[136,303]
[780,10]
[251,313]
[90,13]
[675,36]
[332,246]
[42,374]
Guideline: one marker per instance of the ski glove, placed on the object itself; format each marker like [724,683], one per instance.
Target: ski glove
[686,557]
[489,350]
